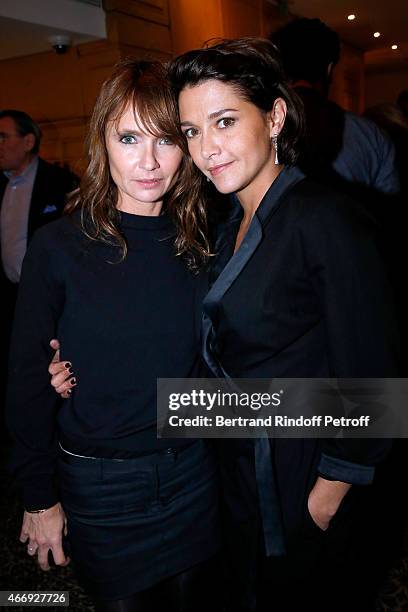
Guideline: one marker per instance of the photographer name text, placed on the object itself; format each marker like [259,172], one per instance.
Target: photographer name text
[269,421]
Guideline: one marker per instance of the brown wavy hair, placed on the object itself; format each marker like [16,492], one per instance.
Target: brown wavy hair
[144,85]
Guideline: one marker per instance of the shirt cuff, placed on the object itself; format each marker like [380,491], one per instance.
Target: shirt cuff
[345,471]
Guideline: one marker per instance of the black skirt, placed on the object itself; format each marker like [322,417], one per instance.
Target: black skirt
[135,522]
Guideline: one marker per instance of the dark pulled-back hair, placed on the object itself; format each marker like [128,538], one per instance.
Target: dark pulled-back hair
[145,87]
[252,66]
[24,125]
[307,47]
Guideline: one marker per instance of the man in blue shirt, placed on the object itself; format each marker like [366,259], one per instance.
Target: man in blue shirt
[342,148]
[32,193]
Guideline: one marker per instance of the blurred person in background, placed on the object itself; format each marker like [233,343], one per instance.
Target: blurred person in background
[342,149]
[32,193]
[391,119]
[364,157]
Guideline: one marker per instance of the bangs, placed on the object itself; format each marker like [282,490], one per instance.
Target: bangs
[154,107]
[156,112]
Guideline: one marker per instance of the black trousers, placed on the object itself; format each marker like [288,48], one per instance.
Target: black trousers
[321,571]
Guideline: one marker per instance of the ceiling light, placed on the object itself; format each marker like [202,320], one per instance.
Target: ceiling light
[351,17]
[377,34]
[394,47]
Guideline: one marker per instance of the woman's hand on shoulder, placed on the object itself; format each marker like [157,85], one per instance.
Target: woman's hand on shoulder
[43,532]
[62,378]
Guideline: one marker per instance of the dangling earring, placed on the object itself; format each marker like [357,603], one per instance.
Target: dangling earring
[275,144]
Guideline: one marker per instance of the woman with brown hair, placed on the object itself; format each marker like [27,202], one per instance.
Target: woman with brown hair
[118,276]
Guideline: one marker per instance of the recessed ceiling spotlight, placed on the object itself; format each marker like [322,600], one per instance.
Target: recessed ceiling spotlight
[351,17]
[377,34]
[394,47]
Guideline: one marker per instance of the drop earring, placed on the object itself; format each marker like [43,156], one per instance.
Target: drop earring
[275,145]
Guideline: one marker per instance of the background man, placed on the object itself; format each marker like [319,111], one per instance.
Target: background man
[342,149]
[353,155]
[32,193]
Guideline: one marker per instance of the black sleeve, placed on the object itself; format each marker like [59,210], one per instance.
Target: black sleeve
[31,401]
[355,299]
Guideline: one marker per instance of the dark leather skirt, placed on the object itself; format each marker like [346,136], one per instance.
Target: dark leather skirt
[135,522]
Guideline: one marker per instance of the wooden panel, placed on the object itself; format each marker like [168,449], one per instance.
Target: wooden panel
[63,142]
[138,33]
[59,92]
[96,63]
[151,10]
[193,22]
[387,59]
[142,54]
[385,86]
[46,86]
[241,18]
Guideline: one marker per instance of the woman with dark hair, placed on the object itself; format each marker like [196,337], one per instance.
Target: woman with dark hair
[118,275]
[296,291]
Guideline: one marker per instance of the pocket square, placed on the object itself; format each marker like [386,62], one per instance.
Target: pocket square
[49,209]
